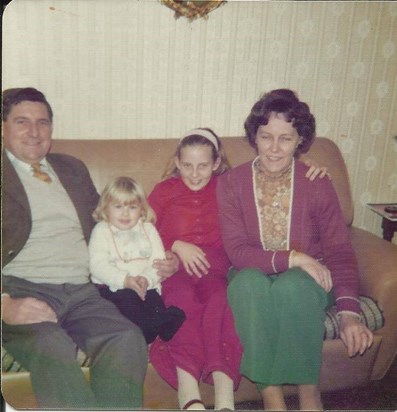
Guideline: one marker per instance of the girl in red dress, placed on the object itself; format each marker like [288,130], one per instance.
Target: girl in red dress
[207,346]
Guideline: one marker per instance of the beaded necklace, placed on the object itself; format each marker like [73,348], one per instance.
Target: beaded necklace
[125,259]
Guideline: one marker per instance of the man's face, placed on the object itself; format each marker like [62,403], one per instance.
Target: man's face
[27,131]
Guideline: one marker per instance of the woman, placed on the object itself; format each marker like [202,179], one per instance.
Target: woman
[291,253]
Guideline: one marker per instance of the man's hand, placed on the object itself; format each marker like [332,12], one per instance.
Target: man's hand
[192,257]
[24,311]
[168,266]
[355,335]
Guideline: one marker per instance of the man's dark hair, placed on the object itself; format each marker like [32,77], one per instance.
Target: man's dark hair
[12,97]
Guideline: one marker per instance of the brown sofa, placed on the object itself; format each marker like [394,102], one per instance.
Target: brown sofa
[145,160]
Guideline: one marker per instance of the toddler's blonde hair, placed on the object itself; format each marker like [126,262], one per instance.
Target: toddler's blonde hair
[125,190]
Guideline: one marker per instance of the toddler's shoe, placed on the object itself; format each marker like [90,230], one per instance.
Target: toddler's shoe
[174,317]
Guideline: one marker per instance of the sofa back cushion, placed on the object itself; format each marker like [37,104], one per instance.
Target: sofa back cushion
[145,160]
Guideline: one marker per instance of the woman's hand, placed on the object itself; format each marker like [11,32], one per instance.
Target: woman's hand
[315,170]
[137,283]
[314,268]
[168,266]
[192,257]
[23,311]
[355,335]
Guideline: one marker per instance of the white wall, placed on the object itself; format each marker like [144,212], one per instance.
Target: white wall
[129,69]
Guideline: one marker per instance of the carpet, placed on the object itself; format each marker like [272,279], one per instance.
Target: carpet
[377,396]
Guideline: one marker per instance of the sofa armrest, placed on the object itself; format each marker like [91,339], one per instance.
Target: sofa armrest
[377,261]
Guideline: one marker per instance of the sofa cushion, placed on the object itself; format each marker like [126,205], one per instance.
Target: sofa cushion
[145,160]
[9,364]
[370,311]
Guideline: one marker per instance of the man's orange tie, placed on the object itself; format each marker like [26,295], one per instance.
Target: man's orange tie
[37,172]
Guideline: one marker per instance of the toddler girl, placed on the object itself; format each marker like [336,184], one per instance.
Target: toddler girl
[122,249]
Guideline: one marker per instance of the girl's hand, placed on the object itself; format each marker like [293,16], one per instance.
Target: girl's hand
[192,257]
[355,335]
[137,283]
[315,170]
[142,282]
[315,269]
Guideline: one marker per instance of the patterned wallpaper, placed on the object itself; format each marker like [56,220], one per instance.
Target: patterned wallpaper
[129,69]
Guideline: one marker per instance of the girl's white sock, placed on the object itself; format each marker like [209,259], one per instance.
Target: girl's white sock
[188,389]
[224,395]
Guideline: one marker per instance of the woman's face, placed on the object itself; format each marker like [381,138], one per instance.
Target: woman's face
[276,142]
[196,165]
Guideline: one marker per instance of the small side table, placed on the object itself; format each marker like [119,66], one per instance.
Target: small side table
[389,227]
[389,220]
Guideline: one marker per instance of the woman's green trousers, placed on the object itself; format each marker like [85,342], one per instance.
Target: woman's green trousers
[280,321]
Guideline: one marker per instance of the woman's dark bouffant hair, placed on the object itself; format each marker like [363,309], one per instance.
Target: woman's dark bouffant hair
[283,101]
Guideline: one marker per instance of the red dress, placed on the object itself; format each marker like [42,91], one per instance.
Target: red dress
[207,340]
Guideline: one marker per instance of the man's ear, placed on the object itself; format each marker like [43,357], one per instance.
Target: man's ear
[177,163]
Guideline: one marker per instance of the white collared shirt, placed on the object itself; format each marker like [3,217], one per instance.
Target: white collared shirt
[21,166]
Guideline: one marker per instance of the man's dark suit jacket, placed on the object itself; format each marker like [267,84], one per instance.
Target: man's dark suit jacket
[16,214]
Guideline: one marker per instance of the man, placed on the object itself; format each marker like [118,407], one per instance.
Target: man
[48,304]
